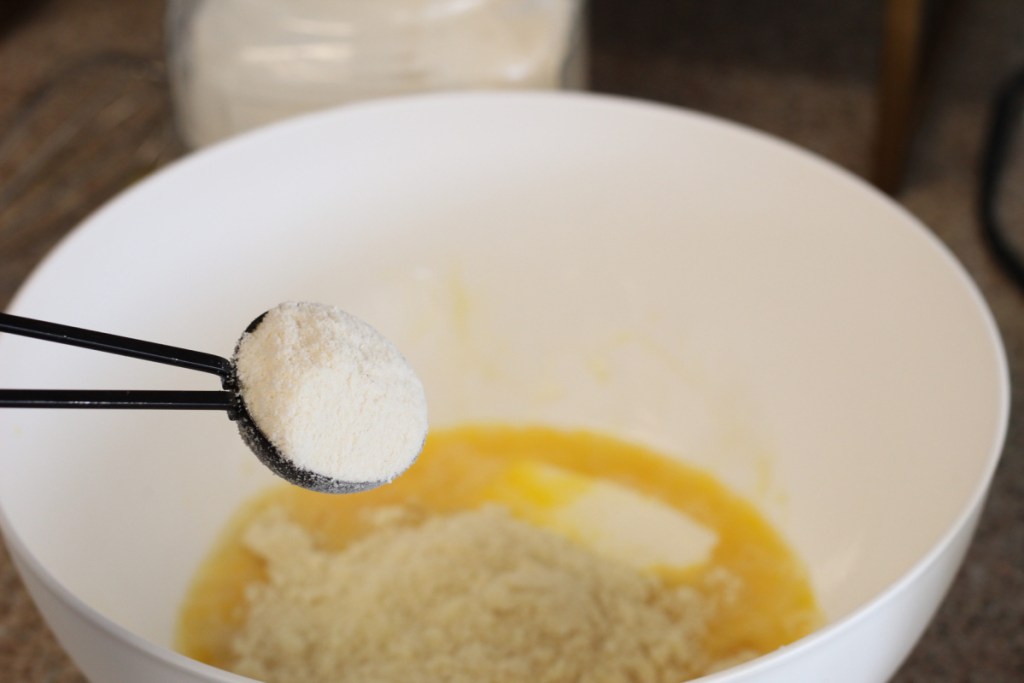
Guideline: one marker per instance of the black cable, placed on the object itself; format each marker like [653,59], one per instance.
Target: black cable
[1007,113]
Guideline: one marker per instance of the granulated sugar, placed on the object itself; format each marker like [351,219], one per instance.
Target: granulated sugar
[472,597]
[331,393]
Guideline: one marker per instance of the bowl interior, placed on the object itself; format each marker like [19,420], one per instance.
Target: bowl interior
[559,259]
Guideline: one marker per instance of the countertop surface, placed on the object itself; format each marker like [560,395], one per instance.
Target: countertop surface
[804,70]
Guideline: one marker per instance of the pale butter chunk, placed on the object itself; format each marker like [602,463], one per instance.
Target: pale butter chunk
[331,393]
[610,518]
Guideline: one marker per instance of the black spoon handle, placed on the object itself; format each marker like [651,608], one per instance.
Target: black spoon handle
[116,398]
[112,343]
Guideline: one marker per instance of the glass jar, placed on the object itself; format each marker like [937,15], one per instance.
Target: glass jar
[238,64]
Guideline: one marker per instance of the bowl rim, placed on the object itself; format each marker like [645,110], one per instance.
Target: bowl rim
[556,99]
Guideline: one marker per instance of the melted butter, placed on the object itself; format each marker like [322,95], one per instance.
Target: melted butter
[466,467]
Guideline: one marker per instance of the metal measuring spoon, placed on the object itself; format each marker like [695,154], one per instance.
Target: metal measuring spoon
[270,455]
[230,399]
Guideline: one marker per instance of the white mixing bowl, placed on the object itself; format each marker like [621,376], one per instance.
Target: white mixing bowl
[563,259]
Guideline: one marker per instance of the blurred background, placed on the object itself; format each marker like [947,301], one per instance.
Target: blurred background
[917,96]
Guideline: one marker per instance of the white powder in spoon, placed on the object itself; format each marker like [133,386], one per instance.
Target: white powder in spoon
[331,393]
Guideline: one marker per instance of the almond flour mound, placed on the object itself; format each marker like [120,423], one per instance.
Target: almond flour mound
[472,597]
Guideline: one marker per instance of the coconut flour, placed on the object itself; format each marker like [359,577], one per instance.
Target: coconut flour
[331,393]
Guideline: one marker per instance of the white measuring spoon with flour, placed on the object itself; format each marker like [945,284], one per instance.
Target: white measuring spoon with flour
[323,399]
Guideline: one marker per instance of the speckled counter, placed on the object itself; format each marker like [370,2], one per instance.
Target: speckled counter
[801,69]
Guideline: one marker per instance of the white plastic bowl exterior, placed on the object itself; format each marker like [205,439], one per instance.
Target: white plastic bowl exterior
[567,259]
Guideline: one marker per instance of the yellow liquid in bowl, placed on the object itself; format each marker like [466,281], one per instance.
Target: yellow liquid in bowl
[464,468]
